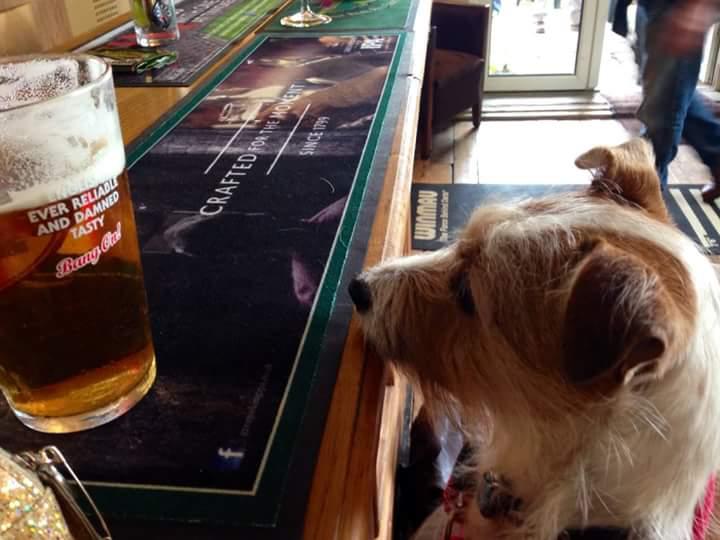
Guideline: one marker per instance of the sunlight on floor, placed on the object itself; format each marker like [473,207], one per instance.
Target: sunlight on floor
[534,152]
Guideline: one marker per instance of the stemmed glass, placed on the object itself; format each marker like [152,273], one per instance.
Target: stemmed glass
[305,17]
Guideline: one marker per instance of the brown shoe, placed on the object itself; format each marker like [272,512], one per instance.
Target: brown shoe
[710,192]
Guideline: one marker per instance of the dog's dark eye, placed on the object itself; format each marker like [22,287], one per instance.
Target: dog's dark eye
[463,294]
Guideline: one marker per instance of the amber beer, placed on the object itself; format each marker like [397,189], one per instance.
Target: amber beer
[75,344]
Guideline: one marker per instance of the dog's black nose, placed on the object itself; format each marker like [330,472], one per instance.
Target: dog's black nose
[361,295]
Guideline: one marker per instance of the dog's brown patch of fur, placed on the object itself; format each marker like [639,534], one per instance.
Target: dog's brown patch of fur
[611,334]
[626,173]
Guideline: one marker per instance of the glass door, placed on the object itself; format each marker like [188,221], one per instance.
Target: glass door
[543,45]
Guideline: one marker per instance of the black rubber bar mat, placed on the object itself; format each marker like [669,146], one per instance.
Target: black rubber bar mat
[207,29]
[439,211]
[253,208]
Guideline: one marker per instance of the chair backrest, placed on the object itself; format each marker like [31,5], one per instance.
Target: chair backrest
[427,97]
[462,28]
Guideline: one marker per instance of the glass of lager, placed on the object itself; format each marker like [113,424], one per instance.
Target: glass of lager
[75,344]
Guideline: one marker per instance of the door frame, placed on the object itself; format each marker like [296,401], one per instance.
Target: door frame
[587,64]
[710,68]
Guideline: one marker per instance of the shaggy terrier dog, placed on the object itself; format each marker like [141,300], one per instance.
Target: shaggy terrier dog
[577,340]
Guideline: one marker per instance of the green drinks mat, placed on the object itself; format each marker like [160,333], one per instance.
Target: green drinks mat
[254,203]
[207,29]
[439,211]
[347,15]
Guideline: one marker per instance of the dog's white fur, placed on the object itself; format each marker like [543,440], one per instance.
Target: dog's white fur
[634,453]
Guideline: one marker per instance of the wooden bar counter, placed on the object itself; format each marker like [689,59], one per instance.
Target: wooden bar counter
[353,487]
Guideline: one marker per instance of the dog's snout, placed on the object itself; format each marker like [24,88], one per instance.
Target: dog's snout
[361,294]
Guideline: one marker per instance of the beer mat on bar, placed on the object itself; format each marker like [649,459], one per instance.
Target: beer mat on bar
[207,29]
[253,213]
[368,15]
[439,211]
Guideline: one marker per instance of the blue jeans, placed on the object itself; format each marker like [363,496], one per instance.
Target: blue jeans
[672,109]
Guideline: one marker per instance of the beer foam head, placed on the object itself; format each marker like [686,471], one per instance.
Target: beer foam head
[59,130]
[39,79]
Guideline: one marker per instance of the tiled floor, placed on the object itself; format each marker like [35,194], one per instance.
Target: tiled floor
[533,151]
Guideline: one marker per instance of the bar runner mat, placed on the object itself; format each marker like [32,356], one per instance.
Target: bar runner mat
[439,211]
[366,15]
[245,211]
[207,29]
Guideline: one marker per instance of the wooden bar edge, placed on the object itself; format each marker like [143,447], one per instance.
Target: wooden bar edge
[363,426]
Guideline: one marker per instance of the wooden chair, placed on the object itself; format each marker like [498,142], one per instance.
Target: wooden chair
[454,70]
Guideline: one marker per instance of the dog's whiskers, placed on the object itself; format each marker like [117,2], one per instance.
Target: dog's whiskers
[601,499]
[583,493]
[648,413]
[623,455]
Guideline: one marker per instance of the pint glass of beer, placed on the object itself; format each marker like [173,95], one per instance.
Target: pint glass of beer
[75,344]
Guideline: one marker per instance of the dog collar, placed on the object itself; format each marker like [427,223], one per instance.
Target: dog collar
[456,499]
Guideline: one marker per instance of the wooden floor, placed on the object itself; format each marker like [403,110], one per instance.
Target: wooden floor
[533,151]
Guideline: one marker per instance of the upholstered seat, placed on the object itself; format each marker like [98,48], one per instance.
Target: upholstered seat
[455,68]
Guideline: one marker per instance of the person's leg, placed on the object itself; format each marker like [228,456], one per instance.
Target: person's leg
[702,132]
[668,89]
[612,11]
[640,33]
[620,19]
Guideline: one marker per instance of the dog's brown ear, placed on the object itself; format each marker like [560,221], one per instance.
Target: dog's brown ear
[617,321]
[626,171]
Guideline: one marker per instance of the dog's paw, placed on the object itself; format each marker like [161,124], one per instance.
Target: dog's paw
[495,499]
